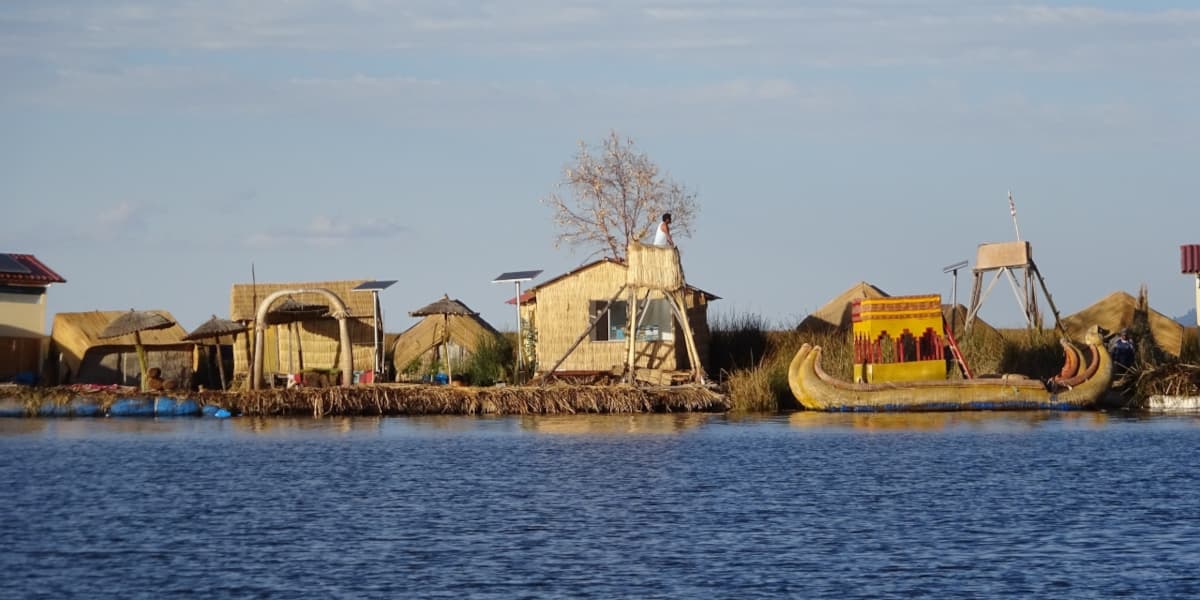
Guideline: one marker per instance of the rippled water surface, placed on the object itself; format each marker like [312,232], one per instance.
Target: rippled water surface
[971,505]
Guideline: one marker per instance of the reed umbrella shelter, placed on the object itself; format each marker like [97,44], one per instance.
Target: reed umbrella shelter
[215,328]
[445,307]
[134,322]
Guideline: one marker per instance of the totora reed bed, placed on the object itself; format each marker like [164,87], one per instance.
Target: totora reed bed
[391,399]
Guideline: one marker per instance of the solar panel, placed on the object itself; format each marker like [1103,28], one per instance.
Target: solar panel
[373,285]
[8,264]
[517,276]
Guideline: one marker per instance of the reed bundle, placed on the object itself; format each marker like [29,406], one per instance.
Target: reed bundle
[654,267]
[425,399]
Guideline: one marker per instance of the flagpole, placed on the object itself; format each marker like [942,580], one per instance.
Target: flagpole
[1012,209]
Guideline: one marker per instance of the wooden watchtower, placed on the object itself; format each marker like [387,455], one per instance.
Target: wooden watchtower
[658,270]
[1006,258]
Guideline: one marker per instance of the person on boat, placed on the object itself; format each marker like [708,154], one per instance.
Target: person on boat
[662,236]
[1121,350]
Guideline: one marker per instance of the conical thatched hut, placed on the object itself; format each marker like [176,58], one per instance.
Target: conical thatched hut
[84,357]
[420,345]
[1115,312]
[307,339]
[835,314]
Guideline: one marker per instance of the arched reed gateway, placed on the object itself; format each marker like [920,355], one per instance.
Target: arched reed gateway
[898,339]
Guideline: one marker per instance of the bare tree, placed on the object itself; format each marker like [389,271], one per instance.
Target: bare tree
[614,196]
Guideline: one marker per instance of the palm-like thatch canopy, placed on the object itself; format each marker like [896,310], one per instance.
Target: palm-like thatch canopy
[133,322]
[136,321]
[443,306]
[215,328]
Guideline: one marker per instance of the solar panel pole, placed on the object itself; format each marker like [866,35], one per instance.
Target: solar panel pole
[954,291]
[517,277]
[520,338]
[378,327]
[377,322]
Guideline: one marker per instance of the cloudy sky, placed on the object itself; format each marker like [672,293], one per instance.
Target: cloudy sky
[153,151]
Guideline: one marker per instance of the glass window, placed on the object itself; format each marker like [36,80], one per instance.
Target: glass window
[655,321]
[612,323]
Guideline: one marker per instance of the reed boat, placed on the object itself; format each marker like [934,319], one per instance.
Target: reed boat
[1075,387]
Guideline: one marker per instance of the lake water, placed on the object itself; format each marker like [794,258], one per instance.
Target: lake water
[950,505]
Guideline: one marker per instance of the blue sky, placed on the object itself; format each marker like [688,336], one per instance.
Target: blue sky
[151,152]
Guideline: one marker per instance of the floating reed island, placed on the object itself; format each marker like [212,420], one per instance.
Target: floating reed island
[372,400]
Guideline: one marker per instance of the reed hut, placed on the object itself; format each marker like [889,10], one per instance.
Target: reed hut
[835,315]
[309,338]
[85,357]
[564,309]
[1116,311]
[438,337]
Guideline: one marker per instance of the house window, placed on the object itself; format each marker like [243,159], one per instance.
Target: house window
[655,321]
[612,323]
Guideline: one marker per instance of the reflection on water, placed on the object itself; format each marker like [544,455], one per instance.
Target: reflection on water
[931,421]
[657,424]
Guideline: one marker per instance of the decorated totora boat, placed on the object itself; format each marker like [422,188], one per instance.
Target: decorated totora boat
[888,384]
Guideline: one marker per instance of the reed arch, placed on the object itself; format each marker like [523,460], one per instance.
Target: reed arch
[340,313]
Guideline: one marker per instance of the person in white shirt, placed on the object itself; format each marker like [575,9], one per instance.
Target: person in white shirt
[662,237]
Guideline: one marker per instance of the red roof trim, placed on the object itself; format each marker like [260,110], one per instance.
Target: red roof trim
[39,273]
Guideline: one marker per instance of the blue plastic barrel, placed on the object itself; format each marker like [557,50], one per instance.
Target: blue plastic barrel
[85,407]
[132,407]
[165,406]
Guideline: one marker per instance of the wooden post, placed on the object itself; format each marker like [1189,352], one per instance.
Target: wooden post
[141,354]
[220,363]
[631,362]
[679,307]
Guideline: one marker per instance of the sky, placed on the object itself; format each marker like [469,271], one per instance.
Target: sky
[154,153]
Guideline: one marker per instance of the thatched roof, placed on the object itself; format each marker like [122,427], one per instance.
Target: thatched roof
[1115,312]
[835,314]
[443,306]
[531,294]
[242,306]
[75,333]
[134,321]
[215,327]
[465,330]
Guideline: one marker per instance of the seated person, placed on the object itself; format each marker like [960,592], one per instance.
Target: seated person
[154,380]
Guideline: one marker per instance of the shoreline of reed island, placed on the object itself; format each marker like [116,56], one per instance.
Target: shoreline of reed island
[373,400]
[749,359]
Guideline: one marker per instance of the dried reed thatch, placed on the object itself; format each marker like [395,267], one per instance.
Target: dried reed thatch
[86,357]
[654,267]
[562,312]
[134,322]
[835,314]
[463,331]
[402,399]
[1116,311]
[311,343]
[215,327]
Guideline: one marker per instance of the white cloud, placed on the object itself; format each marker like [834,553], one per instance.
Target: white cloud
[328,231]
[121,220]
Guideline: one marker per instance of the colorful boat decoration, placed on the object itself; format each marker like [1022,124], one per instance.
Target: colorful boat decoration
[906,371]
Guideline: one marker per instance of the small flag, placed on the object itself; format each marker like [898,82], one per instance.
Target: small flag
[1012,209]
